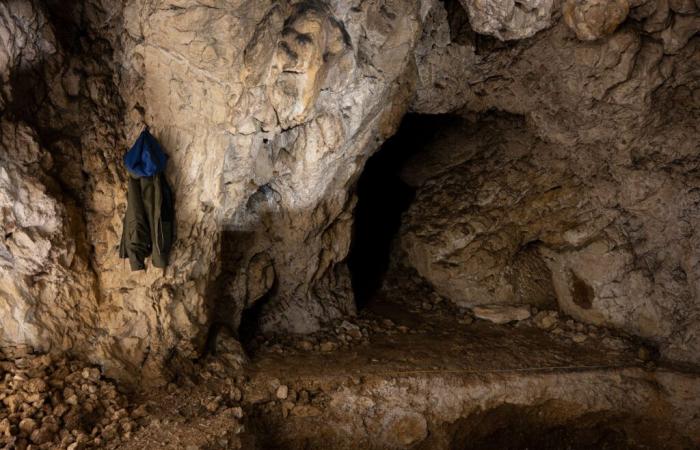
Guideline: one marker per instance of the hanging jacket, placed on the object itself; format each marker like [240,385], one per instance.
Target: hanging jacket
[148,226]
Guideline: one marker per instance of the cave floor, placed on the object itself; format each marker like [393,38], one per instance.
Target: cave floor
[407,328]
[413,371]
[436,378]
[436,343]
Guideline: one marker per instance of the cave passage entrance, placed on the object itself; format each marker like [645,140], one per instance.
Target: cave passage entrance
[382,197]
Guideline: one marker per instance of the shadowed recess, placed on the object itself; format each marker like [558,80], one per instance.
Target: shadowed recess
[382,198]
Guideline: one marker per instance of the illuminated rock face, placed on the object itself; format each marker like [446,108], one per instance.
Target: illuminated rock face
[591,20]
[268,111]
[509,19]
[47,288]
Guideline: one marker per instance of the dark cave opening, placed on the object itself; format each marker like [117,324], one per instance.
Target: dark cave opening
[226,313]
[250,323]
[382,197]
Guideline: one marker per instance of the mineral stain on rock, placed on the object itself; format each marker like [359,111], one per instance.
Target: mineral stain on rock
[581,293]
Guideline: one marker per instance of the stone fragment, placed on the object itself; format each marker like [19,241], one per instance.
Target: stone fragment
[546,320]
[509,19]
[282,392]
[579,338]
[466,319]
[287,406]
[72,399]
[27,426]
[355,333]
[13,402]
[305,411]
[501,314]
[593,19]
[42,435]
[5,427]
[91,373]
[328,346]
[237,412]
[35,385]
[213,404]
[139,412]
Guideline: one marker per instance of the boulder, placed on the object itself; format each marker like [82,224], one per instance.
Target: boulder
[501,314]
[593,19]
[509,19]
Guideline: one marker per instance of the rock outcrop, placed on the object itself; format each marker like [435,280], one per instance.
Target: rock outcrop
[591,20]
[519,210]
[268,111]
[509,19]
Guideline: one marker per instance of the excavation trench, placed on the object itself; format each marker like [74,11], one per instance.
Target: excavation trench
[429,382]
[550,426]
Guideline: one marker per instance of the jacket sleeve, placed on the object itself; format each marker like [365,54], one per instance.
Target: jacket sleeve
[136,238]
[163,220]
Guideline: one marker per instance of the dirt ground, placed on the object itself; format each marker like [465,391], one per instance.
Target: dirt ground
[294,392]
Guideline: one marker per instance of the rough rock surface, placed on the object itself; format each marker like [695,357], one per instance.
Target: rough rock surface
[501,314]
[47,287]
[598,148]
[514,194]
[509,19]
[267,110]
[592,19]
[403,411]
[429,380]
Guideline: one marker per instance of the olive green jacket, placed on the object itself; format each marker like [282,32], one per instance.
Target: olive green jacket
[149,223]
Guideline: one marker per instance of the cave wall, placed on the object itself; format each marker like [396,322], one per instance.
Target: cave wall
[52,136]
[593,173]
[268,111]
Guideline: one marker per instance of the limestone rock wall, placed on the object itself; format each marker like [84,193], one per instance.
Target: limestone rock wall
[267,110]
[595,176]
[509,19]
[47,287]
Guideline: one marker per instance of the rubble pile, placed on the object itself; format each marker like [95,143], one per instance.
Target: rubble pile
[61,404]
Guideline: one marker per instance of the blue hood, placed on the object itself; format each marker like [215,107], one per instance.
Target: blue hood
[145,158]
